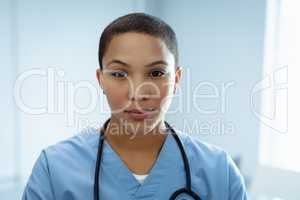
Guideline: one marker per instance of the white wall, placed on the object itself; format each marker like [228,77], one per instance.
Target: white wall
[8,154]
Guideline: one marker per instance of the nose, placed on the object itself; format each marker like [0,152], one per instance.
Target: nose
[138,97]
[140,90]
[138,93]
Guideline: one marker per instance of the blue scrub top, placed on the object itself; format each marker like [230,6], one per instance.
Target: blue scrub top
[66,170]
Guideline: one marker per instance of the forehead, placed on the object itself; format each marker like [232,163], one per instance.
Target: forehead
[137,47]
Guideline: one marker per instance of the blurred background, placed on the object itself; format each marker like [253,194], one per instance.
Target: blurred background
[238,89]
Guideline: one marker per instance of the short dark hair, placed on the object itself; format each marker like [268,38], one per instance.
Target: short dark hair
[139,23]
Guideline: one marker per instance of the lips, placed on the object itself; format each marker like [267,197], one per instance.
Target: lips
[138,114]
[138,111]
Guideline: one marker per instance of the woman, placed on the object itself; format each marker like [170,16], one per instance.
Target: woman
[139,155]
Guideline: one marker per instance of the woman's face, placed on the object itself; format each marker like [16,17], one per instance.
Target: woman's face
[138,73]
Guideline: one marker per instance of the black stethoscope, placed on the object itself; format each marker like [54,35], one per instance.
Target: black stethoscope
[186,190]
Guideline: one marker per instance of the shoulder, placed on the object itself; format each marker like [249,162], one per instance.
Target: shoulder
[195,147]
[215,165]
[209,159]
[56,165]
[83,143]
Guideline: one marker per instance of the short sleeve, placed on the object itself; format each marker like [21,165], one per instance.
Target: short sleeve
[237,188]
[39,186]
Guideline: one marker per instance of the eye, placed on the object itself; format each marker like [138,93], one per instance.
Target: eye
[119,74]
[157,73]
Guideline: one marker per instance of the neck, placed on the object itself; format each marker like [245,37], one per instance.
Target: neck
[128,140]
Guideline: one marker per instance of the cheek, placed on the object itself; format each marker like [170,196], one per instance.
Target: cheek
[166,92]
[116,96]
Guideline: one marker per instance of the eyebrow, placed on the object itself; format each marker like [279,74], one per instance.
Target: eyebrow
[162,62]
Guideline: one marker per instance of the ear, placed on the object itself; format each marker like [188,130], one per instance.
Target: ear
[178,73]
[99,77]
